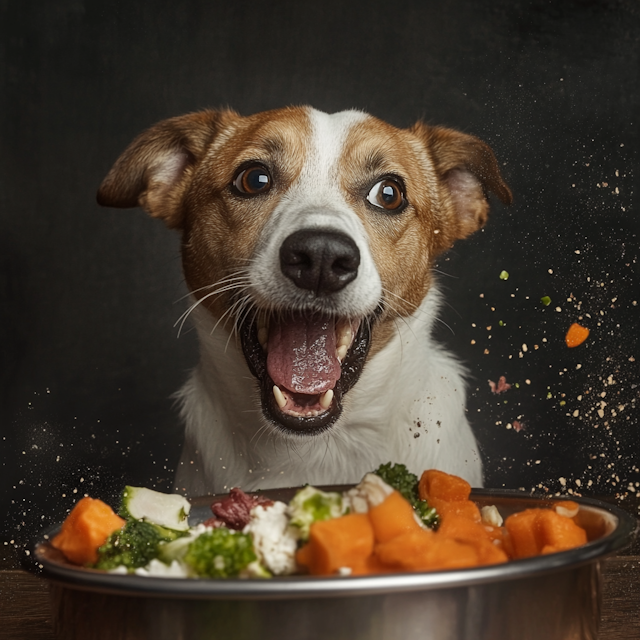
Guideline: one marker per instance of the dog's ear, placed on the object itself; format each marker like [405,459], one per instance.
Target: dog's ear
[468,169]
[154,170]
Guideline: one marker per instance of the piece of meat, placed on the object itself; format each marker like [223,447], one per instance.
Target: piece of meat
[234,512]
[501,387]
[518,426]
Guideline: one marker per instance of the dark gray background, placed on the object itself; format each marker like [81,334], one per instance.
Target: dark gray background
[89,297]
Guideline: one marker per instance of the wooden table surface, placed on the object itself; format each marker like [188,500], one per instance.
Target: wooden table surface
[25,612]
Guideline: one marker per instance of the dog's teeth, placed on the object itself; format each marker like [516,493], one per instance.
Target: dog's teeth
[344,335]
[326,398]
[280,399]
[341,352]
[263,337]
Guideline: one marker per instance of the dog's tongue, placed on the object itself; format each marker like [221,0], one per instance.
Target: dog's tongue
[302,354]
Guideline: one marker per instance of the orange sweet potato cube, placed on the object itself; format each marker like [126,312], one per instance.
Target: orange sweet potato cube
[558,531]
[464,508]
[392,517]
[346,541]
[522,533]
[425,551]
[444,486]
[86,529]
[463,529]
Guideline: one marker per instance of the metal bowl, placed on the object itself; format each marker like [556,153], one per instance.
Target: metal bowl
[556,596]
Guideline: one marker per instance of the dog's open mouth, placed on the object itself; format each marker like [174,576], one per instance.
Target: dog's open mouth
[305,363]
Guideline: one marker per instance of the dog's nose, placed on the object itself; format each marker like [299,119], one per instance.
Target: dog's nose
[322,261]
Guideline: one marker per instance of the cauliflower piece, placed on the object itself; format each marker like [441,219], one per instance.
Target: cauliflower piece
[274,540]
[371,491]
[158,568]
[491,516]
[355,501]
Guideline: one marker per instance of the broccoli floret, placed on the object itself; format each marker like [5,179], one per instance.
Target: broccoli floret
[220,553]
[310,505]
[427,514]
[133,546]
[402,480]
[167,510]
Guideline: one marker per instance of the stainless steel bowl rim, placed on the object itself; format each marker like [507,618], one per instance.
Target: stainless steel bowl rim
[296,587]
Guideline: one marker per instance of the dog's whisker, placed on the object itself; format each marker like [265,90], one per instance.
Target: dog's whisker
[223,281]
[227,313]
[413,307]
[453,333]
[244,308]
[182,319]
[444,273]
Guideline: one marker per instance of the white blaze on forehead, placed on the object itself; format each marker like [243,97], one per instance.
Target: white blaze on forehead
[315,201]
[329,134]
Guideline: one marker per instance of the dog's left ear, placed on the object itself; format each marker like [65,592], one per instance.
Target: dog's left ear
[155,169]
[468,169]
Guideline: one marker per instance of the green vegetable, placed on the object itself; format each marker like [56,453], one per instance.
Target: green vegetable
[167,510]
[405,482]
[133,546]
[220,553]
[504,275]
[546,300]
[310,505]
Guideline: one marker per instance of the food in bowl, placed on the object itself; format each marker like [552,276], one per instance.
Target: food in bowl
[390,522]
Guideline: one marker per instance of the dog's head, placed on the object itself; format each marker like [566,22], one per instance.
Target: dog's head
[310,233]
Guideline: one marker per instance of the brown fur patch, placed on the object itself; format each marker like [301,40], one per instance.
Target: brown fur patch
[221,227]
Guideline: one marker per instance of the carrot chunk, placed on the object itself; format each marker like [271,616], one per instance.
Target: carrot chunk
[392,517]
[85,529]
[558,531]
[346,541]
[522,533]
[474,534]
[443,486]
[536,531]
[576,335]
[425,551]
[465,508]
[460,528]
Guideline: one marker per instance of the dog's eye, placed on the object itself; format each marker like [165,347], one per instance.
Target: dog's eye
[386,194]
[252,180]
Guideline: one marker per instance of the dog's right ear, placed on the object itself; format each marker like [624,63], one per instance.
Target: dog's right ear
[155,169]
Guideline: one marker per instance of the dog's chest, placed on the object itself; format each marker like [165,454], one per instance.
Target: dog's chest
[408,406]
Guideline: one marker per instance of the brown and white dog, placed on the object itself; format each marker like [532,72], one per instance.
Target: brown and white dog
[308,242]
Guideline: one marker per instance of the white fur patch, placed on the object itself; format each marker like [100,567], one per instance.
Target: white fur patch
[413,386]
[315,201]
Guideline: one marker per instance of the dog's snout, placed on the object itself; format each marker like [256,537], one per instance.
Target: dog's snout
[321,261]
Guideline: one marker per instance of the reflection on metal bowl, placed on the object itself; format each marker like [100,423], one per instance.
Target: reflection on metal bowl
[552,597]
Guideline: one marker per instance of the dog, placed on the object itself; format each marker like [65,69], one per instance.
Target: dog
[308,245]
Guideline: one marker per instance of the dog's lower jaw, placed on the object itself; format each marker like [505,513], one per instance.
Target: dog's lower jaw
[273,407]
[415,416]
